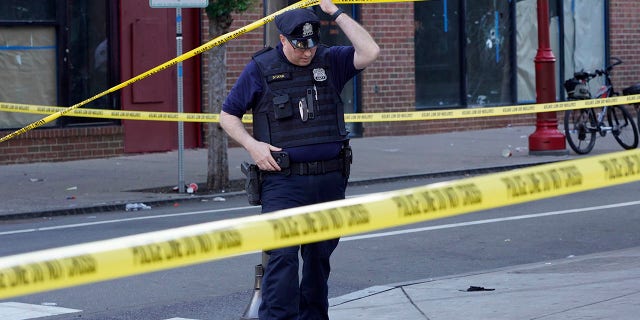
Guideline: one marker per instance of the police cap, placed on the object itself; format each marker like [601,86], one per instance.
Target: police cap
[301,27]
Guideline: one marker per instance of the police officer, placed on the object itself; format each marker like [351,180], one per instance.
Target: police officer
[299,143]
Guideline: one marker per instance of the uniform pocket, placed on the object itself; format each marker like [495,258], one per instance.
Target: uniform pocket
[282,107]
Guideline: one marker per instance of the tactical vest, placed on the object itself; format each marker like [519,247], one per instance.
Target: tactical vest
[300,105]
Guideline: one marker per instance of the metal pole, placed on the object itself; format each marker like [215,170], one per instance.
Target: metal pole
[181,185]
[546,140]
[251,311]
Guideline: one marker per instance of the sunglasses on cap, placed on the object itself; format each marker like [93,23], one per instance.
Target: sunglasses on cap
[303,44]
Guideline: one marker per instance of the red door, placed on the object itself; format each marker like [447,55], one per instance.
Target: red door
[148,39]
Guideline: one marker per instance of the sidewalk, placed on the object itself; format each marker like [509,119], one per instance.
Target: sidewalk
[599,286]
[109,184]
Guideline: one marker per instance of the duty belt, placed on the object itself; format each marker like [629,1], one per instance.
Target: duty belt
[316,167]
[341,163]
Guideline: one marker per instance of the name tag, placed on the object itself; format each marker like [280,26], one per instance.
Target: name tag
[278,77]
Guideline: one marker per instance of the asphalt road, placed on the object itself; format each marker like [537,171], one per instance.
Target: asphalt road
[550,229]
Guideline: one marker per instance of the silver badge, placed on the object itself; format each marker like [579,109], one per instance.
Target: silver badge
[307,30]
[319,74]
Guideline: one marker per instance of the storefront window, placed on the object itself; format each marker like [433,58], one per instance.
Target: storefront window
[88,59]
[488,75]
[54,53]
[482,38]
[28,49]
[437,54]
[488,40]
[577,39]
[27,10]
[584,38]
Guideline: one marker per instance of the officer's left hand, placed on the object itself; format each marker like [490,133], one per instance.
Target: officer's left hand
[328,6]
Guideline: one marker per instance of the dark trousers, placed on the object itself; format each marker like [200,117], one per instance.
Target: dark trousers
[284,295]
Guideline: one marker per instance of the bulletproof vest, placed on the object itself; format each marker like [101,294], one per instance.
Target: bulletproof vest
[300,105]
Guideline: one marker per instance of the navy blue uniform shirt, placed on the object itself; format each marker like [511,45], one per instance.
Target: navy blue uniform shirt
[248,90]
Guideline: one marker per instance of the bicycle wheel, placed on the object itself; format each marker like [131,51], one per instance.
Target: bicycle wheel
[580,128]
[624,129]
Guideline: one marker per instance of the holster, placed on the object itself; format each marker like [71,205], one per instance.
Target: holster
[347,157]
[252,184]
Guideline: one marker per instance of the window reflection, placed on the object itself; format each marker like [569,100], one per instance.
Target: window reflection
[487,52]
[88,57]
[28,64]
[437,54]
[27,10]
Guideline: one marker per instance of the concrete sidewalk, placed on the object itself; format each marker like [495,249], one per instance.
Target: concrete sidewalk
[599,286]
[110,183]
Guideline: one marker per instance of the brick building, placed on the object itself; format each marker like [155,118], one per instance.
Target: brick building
[435,55]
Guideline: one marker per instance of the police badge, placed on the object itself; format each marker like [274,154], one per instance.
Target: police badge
[319,74]
[307,30]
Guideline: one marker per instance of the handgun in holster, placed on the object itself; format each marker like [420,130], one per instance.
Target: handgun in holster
[252,183]
[347,158]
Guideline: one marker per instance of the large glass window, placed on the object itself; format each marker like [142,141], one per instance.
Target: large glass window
[28,49]
[584,38]
[27,10]
[88,57]
[487,54]
[478,31]
[437,54]
[577,35]
[492,70]
[54,53]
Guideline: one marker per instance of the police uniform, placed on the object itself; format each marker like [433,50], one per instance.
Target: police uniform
[298,109]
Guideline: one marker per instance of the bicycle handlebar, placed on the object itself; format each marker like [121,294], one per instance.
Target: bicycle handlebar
[583,75]
[616,62]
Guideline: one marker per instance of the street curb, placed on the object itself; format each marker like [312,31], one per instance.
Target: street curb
[112,207]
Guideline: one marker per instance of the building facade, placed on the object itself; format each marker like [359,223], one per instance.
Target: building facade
[435,55]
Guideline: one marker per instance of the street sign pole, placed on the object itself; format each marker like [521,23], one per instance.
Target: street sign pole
[178,5]
[180,102]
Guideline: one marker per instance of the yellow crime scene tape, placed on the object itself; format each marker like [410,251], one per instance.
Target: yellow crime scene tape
[349,117]
[201,49]
[121,257]
[137,254]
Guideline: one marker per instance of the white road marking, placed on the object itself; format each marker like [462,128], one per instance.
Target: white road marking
[23,311]
[351,238]
[86,224]
[476,222]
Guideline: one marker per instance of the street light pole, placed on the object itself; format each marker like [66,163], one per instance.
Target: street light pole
[546,140]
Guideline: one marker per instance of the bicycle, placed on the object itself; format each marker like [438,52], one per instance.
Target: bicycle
[581,125]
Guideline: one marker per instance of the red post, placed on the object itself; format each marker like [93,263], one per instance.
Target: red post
[546,140]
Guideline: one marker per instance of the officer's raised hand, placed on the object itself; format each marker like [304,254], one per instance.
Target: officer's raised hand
[328,7]
[367,50]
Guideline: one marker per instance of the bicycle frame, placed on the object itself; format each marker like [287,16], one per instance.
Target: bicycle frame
[605,91]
